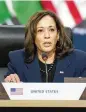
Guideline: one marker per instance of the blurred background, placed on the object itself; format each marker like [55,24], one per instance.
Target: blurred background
[71,13]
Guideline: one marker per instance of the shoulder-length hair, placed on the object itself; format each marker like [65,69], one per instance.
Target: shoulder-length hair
[63,46]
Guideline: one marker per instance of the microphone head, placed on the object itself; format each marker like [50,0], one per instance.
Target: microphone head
[44,56]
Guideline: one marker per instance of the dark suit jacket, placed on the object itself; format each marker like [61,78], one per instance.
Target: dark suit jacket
[73,65]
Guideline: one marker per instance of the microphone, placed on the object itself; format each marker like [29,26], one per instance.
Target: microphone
[45,57]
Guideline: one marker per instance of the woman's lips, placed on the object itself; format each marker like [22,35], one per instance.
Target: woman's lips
[47,44]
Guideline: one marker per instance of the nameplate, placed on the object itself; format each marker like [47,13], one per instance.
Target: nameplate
[44,91]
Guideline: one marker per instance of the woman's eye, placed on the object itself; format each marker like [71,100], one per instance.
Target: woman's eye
[40,30]
[52,30]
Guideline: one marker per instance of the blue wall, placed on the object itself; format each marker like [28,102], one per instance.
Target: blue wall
[79,41]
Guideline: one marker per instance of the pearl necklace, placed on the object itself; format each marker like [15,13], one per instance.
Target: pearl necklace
[50,68]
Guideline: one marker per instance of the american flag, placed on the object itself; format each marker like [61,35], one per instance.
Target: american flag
[16,91]
[70,12]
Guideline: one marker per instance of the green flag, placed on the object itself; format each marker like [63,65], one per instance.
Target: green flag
[25,9]
[4,13]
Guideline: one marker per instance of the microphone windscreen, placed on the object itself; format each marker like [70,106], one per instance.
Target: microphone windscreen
[44,56]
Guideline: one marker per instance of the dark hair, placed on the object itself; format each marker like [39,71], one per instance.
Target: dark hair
[63,46]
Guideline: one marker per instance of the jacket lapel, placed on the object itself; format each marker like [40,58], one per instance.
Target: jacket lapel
[61,67]
[32,71]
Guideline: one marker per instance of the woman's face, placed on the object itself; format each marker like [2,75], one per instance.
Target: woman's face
[46,36]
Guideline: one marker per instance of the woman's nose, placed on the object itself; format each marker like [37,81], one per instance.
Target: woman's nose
[46,34]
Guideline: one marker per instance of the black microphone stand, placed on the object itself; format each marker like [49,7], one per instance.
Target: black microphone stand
[45,57]
[46,72]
